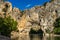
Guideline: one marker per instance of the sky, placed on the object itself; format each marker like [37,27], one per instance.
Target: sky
[26,4]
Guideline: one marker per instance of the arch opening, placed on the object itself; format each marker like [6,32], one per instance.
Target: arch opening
[39,32]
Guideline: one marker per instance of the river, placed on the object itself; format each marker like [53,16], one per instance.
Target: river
[37,37]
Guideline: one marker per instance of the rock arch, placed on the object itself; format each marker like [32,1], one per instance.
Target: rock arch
[39,32]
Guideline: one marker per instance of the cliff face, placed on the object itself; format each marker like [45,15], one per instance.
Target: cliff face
[38,17]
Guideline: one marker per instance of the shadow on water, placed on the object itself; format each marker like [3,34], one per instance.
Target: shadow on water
[36,35]
[57,38]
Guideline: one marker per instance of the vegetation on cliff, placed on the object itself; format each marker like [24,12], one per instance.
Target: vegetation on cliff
[57,26]
[7,25]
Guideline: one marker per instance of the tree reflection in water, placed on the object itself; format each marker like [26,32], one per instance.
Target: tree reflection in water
[39,36]
[57,38]
[36,35]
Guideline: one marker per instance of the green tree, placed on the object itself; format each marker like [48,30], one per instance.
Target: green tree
[7,25]
[57,26]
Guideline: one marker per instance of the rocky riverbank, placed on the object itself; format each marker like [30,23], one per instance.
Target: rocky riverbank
[4,38]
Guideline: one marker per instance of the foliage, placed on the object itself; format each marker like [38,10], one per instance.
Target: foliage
[57,30]
[45,3]
[7,25]
[57,26]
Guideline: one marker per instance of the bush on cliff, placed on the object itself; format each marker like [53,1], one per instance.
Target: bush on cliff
[7,25]
[57,26]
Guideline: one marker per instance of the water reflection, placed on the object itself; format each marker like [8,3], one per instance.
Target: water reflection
[37,37]
[57,38]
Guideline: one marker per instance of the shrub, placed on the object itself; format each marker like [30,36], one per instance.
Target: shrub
[57,26]
[7,25]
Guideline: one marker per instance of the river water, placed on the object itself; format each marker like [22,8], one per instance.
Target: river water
[38,37]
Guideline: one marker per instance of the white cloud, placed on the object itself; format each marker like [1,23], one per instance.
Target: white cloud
[28,5]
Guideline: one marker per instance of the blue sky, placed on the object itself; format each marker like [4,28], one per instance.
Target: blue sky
[25,4]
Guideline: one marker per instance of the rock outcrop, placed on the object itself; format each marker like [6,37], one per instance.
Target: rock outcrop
[38,17]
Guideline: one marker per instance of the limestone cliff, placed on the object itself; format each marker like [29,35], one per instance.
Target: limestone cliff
[38,17]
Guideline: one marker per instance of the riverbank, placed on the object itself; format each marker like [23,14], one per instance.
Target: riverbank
[4,38]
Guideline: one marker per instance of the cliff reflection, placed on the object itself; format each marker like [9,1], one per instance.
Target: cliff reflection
[37,37]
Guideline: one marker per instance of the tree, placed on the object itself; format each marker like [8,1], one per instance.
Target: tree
[7,25]
[57,26]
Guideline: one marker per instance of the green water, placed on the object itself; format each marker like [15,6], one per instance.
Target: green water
[57,38]
[38,37]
